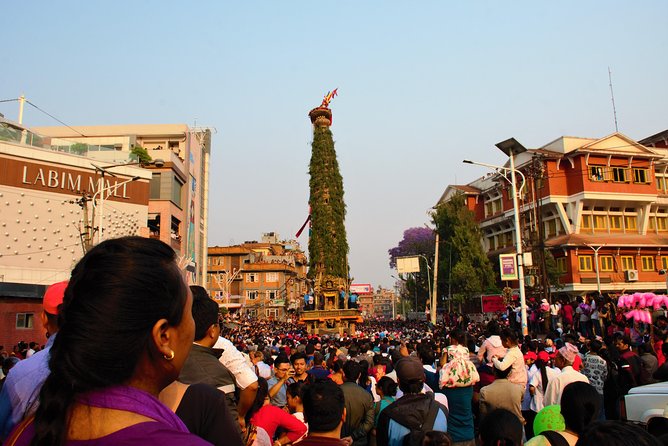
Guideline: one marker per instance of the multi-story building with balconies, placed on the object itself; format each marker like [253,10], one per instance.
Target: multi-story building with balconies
[49,201]
[598,206]
[263,279]
[178,200]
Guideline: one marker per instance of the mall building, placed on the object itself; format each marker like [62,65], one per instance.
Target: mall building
[63,189]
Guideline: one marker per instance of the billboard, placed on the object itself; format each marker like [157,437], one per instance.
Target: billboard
[493,304]
[508,266]
[361,288]
[408,265]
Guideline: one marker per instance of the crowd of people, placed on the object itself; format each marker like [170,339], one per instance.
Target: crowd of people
[135,356]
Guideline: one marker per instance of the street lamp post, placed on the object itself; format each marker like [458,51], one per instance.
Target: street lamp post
[403,301]
[109,191]
[428,282]
[101,186]
[598,277]
[511,148]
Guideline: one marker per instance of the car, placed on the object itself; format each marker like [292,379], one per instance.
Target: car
[647,405]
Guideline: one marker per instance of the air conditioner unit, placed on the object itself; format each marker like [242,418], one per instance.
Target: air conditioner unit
[631,275]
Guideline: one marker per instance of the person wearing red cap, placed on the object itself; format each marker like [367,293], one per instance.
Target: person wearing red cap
[20,392]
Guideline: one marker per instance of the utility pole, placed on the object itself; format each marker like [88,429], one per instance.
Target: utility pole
[434,299]
[22,103]
[87,232]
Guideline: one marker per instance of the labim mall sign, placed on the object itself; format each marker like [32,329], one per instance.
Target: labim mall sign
[27,175]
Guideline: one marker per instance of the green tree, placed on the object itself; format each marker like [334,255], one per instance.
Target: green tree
[328,245]
[79,148]
[463,262]
[138,153]
[420,242]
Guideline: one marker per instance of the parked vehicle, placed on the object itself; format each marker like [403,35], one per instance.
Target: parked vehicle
[647,405]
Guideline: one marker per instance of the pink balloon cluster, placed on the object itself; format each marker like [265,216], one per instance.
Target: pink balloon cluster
[640,304]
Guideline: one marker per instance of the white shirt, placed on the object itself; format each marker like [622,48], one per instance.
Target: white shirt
[264,369]
[236,363]
[536,380]
[515,359]
[554,309]
[555,387]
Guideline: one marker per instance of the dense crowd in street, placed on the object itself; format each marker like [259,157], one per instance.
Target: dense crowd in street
[120,367]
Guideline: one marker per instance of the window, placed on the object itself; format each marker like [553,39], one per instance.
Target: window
[509,239]
[661,183]
[155,186]
[630,223]
[664,263]
[271,312]
[647,263]
[616,222]
[586,222]
[662,223]
[272,294]
[493,206]
[271,277]
[24,320]
[641,176]
[607,263]
[619,175]
[177,186]
[251,295]
[562,265]
[489,209]
[628,262]
[597,173]
[252,277]
[600,222]
[552,228]
[585,263]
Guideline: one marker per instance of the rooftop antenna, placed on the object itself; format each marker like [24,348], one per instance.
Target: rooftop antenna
[612,95]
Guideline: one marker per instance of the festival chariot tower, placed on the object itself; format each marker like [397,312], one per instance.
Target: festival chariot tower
[328,246]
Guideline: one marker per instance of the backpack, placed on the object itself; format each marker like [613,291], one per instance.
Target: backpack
[416,434]
[554,438]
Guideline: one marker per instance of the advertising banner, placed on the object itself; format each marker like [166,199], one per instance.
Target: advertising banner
[493,304]
[508,266]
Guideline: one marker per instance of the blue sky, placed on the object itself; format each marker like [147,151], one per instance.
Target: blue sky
[422,85]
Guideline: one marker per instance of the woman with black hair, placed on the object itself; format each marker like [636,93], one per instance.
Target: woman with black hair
[270,418]
[580,406]
[126,329]
[614,433]
[501,428]
[538,382]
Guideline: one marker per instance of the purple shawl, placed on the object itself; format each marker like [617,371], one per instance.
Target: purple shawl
[134,400]
[168,426]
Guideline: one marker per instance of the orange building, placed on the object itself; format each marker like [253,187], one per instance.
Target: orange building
[263,279]
[598,206]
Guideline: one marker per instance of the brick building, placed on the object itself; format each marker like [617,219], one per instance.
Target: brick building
[264,279]
[599,207]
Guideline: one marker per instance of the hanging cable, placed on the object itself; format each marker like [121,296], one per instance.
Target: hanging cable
[53,117]
[9,100]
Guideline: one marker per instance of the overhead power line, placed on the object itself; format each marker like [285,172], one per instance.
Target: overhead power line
[53,117]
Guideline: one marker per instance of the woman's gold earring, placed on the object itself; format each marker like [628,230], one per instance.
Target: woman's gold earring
[170,357]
